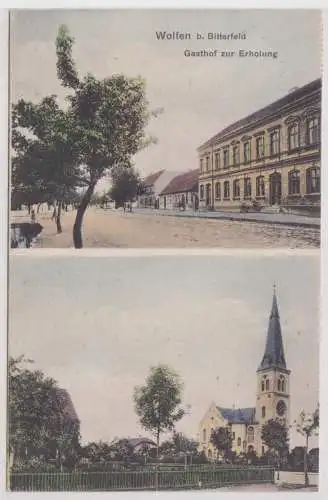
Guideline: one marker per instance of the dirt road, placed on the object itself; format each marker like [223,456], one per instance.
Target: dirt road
[115,229]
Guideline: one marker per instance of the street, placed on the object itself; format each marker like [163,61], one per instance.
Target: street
[116,229]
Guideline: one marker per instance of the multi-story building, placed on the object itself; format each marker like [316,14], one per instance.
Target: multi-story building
[271,156]
[272,400]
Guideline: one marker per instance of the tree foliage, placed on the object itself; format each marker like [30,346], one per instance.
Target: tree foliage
[158,402]
[308,425]
[126,184]
[37,423]
[275,437]
[103,126]
[221,439]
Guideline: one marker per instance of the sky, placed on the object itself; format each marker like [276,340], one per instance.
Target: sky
[199,96]
[97,325]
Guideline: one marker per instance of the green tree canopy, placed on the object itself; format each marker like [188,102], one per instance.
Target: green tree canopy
[37,421]
[158,402]
[221,439]
[275,437]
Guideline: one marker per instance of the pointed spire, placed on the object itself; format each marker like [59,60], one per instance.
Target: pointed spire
[274,356]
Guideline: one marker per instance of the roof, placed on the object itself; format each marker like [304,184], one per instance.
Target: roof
[239,415]
[66,405]
[152,178]
[274,356]
[187,181]
[137,441]
[267,111]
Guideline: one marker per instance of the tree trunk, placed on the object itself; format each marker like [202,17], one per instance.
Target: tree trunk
[157,460]
[38,208]
[58,218]
[54,213]
[306,475]
[77,228]
[29,208]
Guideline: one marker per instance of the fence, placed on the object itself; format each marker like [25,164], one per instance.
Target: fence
[140,480]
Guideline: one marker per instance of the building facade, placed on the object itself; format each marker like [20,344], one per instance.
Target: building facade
[181,193]
[271,157]
[154,184]
[272,400]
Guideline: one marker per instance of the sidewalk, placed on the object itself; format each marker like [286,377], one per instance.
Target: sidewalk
[273,218]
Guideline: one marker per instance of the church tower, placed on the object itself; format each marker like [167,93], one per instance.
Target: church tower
[273,398]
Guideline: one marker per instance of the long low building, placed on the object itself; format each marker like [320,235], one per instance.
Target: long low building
[181,193]
[270,158]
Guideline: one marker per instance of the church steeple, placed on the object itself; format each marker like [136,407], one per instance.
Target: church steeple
[274,356]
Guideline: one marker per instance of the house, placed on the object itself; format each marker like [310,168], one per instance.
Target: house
[154,184]
[181,192]
[271,157]
[272,400]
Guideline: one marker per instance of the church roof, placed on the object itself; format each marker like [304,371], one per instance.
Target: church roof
[274,356]
[238,415]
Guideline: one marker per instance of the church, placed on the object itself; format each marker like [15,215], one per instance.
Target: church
[272,399]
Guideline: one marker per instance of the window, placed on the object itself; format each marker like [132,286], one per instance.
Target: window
[263,411]
[281,384]
[312,131]
[235,155]
[260,187]
[293,136]
[201,165]
[239,441]
[204,434]
[247,187]
[202,192]
[218,191]
[226,190]
[259,147]
[225,158]
[313,180]
[274,142]
[216,161]
[250,434]
[267,384]
[236,189]
[247,152]
[294,183]
[263,384]
[207,163]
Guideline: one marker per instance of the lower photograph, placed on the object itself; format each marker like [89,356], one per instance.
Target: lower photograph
[164,372]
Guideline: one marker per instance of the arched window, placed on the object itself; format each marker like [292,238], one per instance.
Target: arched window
[201,194]
[235,155]
[263,383]
[218,191]
[250,434]
[236,189]
[312,131]
[313,180]
[204,434]
[216,160]
[274,139]
[260,187]
[226,158]
[294,183]
[283,385]
[263,411]
[267,384]
[293,136]
[226,190]
[239,441]
[207,163]
[247,151]
[279,385]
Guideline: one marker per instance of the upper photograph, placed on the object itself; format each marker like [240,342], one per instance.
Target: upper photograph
[165,128]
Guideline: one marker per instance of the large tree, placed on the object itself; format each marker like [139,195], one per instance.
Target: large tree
[37,422]
[158,403]
[103,126]
[110,118]
[275,436]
